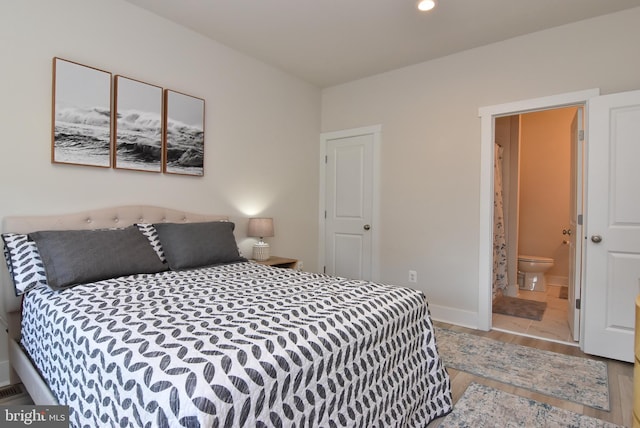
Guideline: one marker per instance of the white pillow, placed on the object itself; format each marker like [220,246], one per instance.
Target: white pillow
[24,262]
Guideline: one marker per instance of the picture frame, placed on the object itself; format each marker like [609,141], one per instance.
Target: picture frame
[81,115]
[138,129]
[183,134]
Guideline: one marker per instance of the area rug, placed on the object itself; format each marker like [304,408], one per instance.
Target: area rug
[580,380]
[483,406]
[521,308]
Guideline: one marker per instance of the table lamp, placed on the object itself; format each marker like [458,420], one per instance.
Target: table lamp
[260,228]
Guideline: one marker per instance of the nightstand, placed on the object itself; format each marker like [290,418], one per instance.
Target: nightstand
[281,262]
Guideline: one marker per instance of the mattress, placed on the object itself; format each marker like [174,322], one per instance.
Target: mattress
[236,345]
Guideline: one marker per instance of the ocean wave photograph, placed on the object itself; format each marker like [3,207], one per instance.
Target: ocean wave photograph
[82,114]
[185,148]
[154,129]
[184,134]
[139,141]
[83,136]
[138,134]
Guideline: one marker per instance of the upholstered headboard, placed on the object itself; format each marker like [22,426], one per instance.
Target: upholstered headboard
[122,216]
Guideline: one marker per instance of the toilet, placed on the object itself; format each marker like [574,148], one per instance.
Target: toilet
[531,271]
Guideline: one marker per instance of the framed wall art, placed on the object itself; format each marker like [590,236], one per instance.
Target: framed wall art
[81,122]
[138,125]
[184,134]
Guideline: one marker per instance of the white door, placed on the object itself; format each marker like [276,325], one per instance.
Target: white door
[612,225]
[575,224]
[349,227]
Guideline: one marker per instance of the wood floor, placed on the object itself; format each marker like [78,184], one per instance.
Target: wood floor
[620,379]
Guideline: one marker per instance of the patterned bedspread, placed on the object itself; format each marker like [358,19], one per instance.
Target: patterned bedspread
[238,345]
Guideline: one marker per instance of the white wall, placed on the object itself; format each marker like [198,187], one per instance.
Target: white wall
[431,140]
[262,125]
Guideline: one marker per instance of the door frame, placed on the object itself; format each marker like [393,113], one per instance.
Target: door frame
[376,131]
[487,121]
[576,224]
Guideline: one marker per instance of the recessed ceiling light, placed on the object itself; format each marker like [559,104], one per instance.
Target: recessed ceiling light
[425,5]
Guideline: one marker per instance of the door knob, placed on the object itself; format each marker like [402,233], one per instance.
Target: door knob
[367,227]
[596,239]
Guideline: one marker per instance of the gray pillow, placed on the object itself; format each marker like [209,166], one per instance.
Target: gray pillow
[74,257]
[192,245]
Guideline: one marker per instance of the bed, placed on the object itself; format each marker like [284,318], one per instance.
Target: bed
[206,337]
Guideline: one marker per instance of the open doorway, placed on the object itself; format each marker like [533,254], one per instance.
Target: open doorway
[534,197]
[610,278]
[488,114]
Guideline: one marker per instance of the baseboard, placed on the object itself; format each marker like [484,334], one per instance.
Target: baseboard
[561,281]
[454,316]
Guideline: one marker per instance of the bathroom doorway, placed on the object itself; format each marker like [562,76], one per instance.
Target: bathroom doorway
[537,182]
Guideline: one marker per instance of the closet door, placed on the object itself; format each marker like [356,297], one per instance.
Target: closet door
[349,228]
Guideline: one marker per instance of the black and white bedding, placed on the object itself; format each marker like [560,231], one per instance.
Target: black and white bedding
[239,344]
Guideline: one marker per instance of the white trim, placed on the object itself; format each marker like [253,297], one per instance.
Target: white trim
[557,280]
[487,120]
[517,333]
[543,103]
[453,316]
[376,131]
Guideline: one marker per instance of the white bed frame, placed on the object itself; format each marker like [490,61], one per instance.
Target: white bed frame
[22,370]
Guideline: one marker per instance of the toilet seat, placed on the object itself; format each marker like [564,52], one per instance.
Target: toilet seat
[536,259]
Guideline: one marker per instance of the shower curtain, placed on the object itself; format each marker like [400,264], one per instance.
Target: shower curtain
[500,280]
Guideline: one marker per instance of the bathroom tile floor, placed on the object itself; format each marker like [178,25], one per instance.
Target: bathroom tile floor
[553,326]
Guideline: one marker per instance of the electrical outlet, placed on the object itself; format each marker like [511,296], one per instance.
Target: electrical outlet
[413,276]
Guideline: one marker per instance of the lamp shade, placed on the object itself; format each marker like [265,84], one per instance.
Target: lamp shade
[260,227]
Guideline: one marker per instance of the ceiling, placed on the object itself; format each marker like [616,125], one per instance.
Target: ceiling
[328,42]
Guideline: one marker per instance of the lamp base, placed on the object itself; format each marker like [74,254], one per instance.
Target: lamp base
[261,251]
